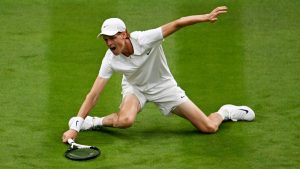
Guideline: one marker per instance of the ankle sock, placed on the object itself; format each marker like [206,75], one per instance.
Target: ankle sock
[221,113]
[98,121]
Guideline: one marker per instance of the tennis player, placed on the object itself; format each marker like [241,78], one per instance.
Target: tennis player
[139,56]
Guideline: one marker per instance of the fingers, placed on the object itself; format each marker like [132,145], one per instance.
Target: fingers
[69,134]
[221,9]
[217,11]
[65,138]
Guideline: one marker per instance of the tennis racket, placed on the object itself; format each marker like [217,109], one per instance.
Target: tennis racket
[81,152]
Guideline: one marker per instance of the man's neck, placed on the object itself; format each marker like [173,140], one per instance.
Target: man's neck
[128,50]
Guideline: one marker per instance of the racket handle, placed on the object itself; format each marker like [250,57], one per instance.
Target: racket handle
[70,141]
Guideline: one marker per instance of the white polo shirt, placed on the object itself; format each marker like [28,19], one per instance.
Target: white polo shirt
[146,68]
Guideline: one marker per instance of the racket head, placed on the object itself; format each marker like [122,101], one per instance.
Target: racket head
[79,154]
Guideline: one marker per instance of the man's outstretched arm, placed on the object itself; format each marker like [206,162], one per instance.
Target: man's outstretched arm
[173,26]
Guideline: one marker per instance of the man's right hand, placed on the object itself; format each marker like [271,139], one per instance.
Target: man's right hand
[69,134]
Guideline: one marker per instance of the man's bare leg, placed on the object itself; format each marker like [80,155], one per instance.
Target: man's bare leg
[206,124]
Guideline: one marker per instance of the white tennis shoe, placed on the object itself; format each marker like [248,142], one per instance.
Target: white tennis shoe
[236,113]
[88,123]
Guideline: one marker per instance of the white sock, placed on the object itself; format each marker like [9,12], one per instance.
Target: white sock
[98,121]
[222,114]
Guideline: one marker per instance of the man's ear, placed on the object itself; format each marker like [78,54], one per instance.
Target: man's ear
[124,35]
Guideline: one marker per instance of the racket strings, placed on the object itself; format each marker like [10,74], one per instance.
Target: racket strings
[82,153]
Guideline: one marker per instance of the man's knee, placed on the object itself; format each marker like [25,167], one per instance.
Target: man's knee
[124,122]
[209,128]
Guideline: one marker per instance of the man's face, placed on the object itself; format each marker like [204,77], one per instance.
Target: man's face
[115,43]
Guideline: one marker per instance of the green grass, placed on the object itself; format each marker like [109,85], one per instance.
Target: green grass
[50,56]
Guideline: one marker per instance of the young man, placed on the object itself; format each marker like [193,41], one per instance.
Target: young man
[146,77]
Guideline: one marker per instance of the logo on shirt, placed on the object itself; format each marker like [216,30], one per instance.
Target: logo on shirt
[149,51]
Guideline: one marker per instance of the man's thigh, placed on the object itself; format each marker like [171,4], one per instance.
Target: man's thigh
[191,112]
[129,107]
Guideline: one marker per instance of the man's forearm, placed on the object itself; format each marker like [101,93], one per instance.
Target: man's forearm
[190,20]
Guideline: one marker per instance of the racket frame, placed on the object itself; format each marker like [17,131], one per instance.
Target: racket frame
[74,146]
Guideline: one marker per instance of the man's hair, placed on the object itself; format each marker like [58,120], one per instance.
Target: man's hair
[127,34]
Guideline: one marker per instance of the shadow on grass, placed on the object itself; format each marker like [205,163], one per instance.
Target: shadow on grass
[153,132]
[136,134]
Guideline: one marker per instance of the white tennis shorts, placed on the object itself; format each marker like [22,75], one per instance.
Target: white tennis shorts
[166,97]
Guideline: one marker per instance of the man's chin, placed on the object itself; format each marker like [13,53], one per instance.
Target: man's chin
[115,52]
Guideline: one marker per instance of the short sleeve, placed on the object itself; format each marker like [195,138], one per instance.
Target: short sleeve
[150,37]
[105,69]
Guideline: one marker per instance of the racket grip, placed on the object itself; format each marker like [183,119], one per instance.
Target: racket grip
[70,141]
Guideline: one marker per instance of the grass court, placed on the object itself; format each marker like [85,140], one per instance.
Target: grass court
[50,56]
